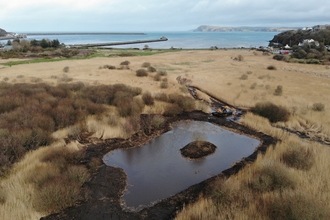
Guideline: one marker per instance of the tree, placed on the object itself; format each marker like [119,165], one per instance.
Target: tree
[44,43]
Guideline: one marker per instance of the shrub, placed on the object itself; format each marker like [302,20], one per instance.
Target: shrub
[248,72]
[164,85]
[145,64]
[253,86]
[162,72]
[158,121]
[173,110]
[271,176]
[239,58]
[157,77]
[278,91]
[318,107]
[147,98]
[141,72]
[271,67]
[161,97]
[125,63]
[278,57]
[244,77]
[152,69]
[110,67]
[298,157]
[271,111]
[66,69]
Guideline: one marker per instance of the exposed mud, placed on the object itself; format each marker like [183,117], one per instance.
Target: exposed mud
[108,183]
[198,149]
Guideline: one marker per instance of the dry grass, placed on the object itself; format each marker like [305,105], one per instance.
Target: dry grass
[298,195]
[30,189]
[303,86]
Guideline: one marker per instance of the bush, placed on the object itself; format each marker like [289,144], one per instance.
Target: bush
[66,69]
[278,91]
[157,77]
[141,72]
[271,111]
[162,72]
[239,58]
[271,176]
[271,67]
[125,63]
[164,85]
[145,64]
[298,157]
[162,97]
[244,77]
[147,98]
[318,107]
[173,110]
[152,69]
[278,57]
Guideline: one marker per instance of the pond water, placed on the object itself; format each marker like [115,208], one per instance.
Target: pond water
[157,170]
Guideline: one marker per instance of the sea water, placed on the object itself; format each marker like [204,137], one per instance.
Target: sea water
[184,40]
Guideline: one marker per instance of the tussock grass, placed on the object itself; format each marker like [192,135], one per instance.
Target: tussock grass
[39,185]
[293,194]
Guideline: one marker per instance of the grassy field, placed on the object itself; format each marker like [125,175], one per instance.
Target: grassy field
[291,181]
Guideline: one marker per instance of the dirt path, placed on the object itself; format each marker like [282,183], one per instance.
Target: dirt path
[108,183]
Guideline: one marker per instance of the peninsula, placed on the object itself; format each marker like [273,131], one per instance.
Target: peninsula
[207,28]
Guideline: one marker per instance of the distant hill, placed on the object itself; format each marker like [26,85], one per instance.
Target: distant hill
[3,32]
[207,28]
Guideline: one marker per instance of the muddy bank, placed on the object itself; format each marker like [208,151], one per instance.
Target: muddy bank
[107,184]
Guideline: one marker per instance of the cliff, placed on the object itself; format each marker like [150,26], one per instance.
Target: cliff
[3,32]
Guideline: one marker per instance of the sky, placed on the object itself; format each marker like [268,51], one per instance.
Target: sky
[153,15]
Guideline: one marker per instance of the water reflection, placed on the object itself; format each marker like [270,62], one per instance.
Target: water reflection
[157,170]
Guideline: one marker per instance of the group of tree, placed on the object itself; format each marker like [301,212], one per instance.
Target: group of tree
[294,37]
[24,45]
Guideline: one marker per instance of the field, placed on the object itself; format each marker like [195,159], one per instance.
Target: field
[290,181]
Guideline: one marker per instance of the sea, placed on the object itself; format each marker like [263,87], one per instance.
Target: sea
[183,40]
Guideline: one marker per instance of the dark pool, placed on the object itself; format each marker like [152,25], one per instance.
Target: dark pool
[157,170]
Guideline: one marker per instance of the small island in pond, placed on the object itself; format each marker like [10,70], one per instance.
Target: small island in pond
[198,149]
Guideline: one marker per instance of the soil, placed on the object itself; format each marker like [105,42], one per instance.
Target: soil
[107,185]
[198,149]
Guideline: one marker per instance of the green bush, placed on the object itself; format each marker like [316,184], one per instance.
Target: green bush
[271,111]
[141,72]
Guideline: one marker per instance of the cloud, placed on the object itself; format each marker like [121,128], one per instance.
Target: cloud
[144,15]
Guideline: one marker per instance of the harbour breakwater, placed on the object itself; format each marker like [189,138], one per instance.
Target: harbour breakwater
[118,43]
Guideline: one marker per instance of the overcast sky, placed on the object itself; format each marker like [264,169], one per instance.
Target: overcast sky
[153,15]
